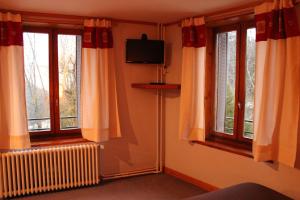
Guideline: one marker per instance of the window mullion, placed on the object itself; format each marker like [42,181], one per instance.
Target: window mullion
[241,78]
[243,82]
[51,85]
[239,68]
[55,83]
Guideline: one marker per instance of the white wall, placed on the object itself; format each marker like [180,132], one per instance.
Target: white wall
[136,150]
[213,166]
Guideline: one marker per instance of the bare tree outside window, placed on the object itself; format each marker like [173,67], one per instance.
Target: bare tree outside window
[36,60]
[250,78]
[37,78]
[68,67]
[235,90]
[226,73]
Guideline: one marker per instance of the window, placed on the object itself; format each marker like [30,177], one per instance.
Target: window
[52,75]
[234,81]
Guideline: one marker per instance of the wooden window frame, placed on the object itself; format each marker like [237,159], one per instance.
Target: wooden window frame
[236,140]
[55,132]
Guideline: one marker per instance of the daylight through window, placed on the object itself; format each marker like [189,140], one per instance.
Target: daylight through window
[234,82]
[52,75]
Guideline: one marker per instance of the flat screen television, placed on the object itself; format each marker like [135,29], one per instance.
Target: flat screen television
[145,51]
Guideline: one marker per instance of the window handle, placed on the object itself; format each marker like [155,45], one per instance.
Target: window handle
[239,105]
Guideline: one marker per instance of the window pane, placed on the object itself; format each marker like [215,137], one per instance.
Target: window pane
[250,72]
[69,51]
[36,60]
[225,81]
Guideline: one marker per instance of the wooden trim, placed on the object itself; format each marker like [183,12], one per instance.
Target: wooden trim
[55,82]
[67,31]
[230,136]
[55,131]
[245,11]
[230,21]
[236,13]
[37,30]
[62,133]
[38,17]
[242,149]
[189,179]
[75,20]
[240,29]
[237,90]
[242,81]
[128,173]
[226,28]
[57,141]
[56,104]
[209,82]
[210,17]
[42,137]
[51,84]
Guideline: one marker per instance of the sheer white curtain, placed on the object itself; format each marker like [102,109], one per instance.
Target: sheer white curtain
[277,94]
[99,103]
[192,112]
[13,119]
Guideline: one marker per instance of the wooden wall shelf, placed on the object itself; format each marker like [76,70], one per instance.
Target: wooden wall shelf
[156,86]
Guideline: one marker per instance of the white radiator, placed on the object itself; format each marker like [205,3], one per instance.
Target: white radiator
[49,168]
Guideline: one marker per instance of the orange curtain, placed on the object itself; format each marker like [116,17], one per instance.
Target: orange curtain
[191,119]
[13,119]
[277,79]
[99,102]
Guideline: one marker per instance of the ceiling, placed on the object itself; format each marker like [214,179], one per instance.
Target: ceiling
[162,11]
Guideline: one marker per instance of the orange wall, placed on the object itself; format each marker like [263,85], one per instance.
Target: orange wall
[213,166]
[136,150]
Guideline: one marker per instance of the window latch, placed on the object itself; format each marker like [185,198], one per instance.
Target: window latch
[239,105]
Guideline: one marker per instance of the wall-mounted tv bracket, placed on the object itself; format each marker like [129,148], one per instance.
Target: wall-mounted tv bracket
[144,36]
[164,66]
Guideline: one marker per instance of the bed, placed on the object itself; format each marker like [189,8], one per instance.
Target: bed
[244,191]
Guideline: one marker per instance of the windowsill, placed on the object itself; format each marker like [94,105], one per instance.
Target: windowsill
[243,150]
[57,141]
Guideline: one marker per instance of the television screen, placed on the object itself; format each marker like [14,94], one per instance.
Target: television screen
[145,51]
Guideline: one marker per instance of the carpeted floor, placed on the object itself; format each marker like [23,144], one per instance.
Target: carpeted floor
[149,187]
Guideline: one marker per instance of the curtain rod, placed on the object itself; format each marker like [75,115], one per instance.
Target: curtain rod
[229,13]
[50,18]
[225,14]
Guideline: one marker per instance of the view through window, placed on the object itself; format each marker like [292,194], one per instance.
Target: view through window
[52,76]
[36,60]
[69,85]
[234,83]
[250,78]
[226,75]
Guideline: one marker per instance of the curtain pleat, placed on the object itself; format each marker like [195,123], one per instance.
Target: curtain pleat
[277,96]
[99,102]
[13,118]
